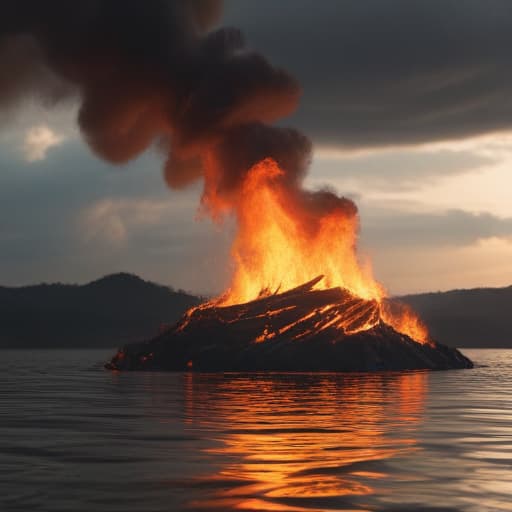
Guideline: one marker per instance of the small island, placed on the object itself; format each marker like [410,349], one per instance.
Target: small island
[300,330]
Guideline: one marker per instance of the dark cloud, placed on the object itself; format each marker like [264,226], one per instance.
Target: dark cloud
[399,71]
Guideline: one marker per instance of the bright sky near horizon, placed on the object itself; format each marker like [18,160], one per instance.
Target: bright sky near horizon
[433,189]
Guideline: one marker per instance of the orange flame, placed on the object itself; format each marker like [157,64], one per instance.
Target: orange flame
[281,243]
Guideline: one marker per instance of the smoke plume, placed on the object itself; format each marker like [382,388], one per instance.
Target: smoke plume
[159,72]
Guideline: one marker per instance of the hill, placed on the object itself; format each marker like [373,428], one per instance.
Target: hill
[475,318]
[108,312]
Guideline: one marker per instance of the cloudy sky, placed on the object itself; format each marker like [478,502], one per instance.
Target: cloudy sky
[409,105]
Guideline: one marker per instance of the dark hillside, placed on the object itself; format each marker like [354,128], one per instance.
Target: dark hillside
[104,313]
[481,317]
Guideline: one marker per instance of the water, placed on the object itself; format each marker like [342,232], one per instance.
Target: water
[74,437]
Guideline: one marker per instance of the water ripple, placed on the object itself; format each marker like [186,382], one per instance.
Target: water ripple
[75,437]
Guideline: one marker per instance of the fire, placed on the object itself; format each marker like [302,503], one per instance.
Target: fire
[285,239]
[280,246]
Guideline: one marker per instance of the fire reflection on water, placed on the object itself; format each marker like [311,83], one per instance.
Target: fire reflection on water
[296,442]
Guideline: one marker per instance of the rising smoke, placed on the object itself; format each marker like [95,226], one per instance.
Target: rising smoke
[159,73]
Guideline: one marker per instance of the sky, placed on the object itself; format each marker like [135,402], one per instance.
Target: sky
[409,106]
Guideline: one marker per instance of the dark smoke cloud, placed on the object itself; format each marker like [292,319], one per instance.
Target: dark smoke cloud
[21,67]
[389,72]
[315,207]
[248,144]
[149,72]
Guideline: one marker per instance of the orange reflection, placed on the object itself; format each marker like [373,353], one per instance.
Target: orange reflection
[303,442]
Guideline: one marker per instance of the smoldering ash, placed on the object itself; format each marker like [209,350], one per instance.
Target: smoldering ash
[160,73]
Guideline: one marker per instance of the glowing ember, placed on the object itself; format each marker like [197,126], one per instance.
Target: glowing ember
[286,238]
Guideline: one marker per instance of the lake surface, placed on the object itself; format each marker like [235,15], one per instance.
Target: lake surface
[74,437]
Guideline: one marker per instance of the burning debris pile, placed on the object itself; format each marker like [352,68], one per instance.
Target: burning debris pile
[268,319]
[304,329]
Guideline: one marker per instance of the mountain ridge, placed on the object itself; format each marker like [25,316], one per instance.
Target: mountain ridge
[470,318]
[106,312]
[121,308]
